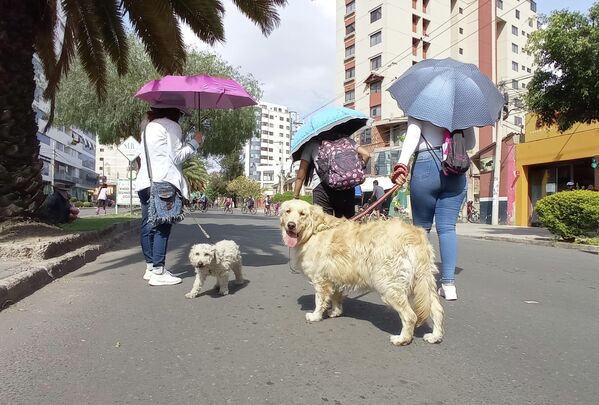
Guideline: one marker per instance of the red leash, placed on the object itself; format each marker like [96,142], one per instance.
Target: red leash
[377,202]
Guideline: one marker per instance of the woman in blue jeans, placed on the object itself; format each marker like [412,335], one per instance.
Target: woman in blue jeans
[166,150]
[433,194]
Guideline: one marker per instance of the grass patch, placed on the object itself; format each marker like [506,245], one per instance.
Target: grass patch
[588,241]
[97,223]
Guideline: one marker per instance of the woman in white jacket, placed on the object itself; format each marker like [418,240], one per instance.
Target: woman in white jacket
[166,151]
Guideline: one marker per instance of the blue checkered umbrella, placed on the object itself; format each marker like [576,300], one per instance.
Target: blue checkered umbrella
[448,93]
[329,123]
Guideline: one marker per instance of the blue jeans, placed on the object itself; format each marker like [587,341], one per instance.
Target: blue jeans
[154,239]
[435,195]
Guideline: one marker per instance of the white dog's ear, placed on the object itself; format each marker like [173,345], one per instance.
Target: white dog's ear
[319,218]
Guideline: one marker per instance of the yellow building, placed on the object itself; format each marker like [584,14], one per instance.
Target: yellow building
[547,160]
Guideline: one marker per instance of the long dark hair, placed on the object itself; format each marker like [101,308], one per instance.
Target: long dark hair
[173,114]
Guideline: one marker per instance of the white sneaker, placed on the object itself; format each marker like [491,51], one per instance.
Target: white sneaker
[164,278]
[149,271]
[449,292]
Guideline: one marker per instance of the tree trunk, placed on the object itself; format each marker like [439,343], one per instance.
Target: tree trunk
[21,188]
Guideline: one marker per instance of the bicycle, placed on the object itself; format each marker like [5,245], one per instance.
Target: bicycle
[472,214]
[267,210]
[228,209]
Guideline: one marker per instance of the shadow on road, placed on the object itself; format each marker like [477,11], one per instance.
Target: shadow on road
[213,292]
[381,316]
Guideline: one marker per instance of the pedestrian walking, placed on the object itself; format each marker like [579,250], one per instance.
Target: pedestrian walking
[102,197]
[443,99]
[161,172]
[377,193]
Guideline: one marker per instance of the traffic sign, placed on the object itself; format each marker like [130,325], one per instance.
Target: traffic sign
[130,148]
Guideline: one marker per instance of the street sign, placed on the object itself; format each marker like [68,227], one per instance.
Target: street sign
[124,195]
[130,148]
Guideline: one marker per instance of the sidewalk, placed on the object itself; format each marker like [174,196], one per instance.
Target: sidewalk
[517,234]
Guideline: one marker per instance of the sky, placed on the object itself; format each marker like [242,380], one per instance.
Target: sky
[296,63]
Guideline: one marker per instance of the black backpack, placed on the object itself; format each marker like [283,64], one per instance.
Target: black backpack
[456,159]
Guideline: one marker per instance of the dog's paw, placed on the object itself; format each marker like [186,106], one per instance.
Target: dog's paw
[190,295]
[399,340]
[335,312]
[431,338]
[312,317]
[224,292]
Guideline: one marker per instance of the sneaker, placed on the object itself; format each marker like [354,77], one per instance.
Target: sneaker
[149,271]
[449,292]
[164,278]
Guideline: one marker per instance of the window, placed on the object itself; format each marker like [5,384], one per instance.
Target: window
[43,138]
[517,14]
[376,62]
[524,34]
[500,4]
[518,121]
[523,85]
[350,51]
[350,73]
[528,70]
[514,30]
[375,87]
[375,111]
[281,126]
[366,137]
[514,84]
[533,6]
[530,22]
[461,51]
[461,30]
[350,7]
[523,68]
[514,48]
[414,4]
[461,10]
[350,96]
[350,29]
[376,38]
[376,15]
[515,66]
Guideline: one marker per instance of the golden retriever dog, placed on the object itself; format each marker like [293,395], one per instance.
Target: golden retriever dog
[339,256]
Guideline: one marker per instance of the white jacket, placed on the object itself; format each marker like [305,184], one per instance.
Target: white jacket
[166,154]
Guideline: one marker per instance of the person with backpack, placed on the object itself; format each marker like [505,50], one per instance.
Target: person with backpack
[438,186]
[339,165]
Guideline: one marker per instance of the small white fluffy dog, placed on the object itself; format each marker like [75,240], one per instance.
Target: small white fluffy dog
[339,256]
[215,260]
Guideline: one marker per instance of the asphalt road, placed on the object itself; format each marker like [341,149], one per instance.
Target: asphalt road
[524,331]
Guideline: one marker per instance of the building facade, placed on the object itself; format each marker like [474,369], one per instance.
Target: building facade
[378,40]
[68,154]
[266,156]
[547,160]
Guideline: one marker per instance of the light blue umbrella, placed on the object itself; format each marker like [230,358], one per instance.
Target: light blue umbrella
[329,123]
[448,93]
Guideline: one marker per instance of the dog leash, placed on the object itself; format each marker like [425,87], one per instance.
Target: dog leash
[375,204]
[200,226]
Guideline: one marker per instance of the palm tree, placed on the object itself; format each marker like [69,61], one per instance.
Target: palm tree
[195,174]
[94,31]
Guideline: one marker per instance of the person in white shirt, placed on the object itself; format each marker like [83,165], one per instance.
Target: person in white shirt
[102,196]
[166,151]
[433,194]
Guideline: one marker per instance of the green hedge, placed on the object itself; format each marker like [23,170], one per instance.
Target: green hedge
[288,195]
[569,214]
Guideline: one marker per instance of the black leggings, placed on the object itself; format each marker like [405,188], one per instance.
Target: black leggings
[335,202]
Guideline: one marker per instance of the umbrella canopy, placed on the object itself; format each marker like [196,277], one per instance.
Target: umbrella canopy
[336,121]
[448,93]
[195,92]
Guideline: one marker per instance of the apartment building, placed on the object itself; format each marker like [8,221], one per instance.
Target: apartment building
[266,156]
[68,155]
[378,40]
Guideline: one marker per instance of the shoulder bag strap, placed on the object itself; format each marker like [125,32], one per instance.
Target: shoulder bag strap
[147,156]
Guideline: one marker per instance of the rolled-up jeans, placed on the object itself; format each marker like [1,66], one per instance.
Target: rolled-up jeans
[154,239]
[436,196]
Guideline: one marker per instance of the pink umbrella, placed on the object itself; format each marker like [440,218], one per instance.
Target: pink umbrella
[195,92]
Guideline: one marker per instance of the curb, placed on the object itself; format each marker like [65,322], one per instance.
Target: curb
[548,243]
[32,278]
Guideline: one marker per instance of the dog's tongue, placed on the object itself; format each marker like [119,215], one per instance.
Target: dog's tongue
[290,241]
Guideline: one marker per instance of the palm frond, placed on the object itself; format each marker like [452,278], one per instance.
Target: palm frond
[158,28]
[204,17]
[90,48]
[195,174]
[262,12]
[45,35]
[112,31]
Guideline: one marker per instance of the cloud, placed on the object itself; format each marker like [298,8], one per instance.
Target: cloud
[295,64]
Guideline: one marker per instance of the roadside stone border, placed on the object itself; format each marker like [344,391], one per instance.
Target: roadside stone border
[87,247]
[549,243]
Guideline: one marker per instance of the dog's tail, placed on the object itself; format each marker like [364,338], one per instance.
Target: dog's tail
[424,299]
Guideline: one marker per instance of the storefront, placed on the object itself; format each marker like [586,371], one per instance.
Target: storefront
[548,160]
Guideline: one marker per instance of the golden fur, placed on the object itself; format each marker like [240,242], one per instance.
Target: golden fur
[339,256]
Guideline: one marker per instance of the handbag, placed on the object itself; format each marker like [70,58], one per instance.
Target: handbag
[166,201]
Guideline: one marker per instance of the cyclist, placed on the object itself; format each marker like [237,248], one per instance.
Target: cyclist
[267,204]
[203,201]
[228,204]
[250,204]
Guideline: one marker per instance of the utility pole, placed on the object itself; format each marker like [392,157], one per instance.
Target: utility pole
[497,165]
[52,163]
